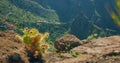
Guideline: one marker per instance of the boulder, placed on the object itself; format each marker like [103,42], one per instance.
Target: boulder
[66,43]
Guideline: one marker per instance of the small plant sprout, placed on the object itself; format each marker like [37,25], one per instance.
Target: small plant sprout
[92,36]
[73,53]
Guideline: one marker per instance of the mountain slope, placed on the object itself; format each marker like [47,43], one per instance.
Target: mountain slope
[79,17]
[85,16]
[36,9]
[27,13]
[26,10]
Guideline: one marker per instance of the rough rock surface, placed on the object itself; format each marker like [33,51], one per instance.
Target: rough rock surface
[103,50]
[11,49]
[66,42]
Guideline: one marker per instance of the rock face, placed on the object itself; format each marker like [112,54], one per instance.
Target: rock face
[102,50]
[66,42]
[100,46]
[11,49]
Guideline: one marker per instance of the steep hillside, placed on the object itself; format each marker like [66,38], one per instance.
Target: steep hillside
[36,9]
[27,13]
[82,17]
[10,12]
[26,10]
[86,16]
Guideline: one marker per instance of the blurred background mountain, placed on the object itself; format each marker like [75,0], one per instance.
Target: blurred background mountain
[59,17]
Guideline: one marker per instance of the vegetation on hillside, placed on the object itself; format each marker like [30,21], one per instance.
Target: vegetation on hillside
[37,9]
[27,13]
[116,15]
[58,17]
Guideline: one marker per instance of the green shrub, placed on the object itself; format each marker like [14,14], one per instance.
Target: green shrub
[35,41]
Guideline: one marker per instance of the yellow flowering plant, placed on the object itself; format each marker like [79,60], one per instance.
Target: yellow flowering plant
[35,41]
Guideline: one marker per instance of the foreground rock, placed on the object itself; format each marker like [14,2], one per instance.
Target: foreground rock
[11,49]
[66,42]
[103,50]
